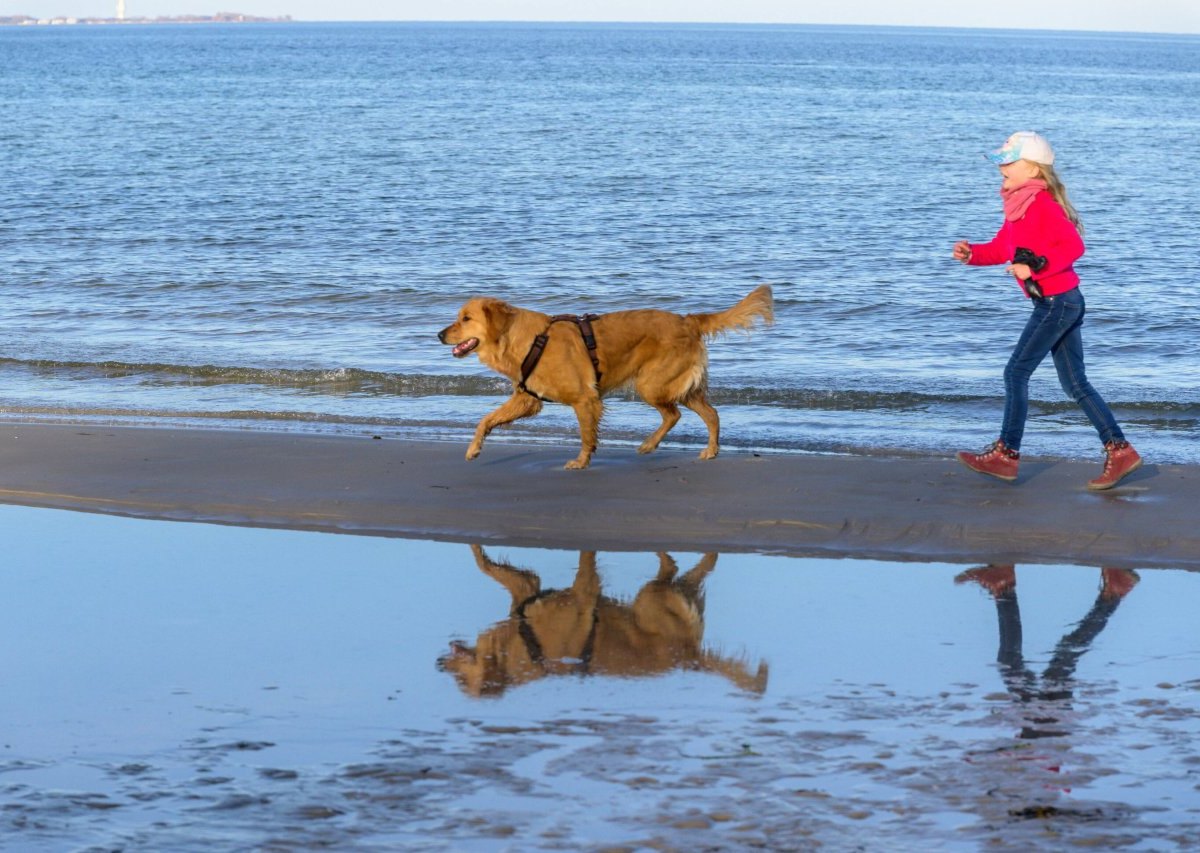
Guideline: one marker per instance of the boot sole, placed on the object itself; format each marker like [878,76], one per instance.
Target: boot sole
[1103,487]
[967,464]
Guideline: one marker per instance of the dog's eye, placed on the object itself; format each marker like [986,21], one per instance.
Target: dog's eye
[466,318]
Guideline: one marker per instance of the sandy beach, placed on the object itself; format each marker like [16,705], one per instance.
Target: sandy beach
[911,508]
[252,682]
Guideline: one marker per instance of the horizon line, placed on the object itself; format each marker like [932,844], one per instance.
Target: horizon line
[724,22]
[623,22]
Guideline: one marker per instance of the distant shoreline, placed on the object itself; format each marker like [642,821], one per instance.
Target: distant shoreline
[65,20]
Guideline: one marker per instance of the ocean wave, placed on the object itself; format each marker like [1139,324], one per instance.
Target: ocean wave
[342,382]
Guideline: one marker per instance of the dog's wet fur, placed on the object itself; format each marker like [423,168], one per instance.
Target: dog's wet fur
[580,631]
[659,354]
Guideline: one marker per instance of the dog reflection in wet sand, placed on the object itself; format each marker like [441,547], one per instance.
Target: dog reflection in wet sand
[580,631]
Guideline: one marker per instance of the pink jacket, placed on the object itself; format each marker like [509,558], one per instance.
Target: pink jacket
[1044,230]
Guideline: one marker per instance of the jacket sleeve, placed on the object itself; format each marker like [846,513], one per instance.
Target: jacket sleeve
[998,250]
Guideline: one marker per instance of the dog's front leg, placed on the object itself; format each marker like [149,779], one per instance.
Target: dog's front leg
[588,411]
[522,584]
[586,586]
[519,405]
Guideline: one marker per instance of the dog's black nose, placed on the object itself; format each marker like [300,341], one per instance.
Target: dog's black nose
[442,336]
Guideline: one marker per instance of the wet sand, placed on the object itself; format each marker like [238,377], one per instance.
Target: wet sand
[198,687]
[519,495]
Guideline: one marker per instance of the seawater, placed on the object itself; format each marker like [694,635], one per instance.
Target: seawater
[266,225]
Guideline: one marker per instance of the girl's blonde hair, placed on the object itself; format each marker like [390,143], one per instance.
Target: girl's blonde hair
[1059,191]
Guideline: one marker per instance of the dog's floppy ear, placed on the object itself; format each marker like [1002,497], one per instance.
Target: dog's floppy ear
[498,315]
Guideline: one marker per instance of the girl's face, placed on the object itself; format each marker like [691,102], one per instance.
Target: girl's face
[1015,174]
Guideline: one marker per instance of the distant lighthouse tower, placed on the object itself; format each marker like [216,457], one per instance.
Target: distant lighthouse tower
[120,10]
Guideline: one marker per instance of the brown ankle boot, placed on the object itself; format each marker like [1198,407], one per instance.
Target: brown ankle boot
[996,461]
[1120,459]
[996,579]
[1115,584]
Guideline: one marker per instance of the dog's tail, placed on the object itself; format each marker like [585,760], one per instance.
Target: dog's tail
[736,669]
[758,305]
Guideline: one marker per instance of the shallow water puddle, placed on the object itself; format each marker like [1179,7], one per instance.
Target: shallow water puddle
[178,686]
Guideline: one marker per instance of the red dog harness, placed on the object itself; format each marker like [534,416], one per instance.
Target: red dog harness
[539,346]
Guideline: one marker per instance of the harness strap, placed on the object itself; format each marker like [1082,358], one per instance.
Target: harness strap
[533,646]
[531,360]
[539,346]
[589,340]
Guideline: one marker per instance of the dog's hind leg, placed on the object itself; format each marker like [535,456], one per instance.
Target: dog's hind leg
[588,411]
[667,568]
[670,417]
[692,582]
[519,405]
[698,403]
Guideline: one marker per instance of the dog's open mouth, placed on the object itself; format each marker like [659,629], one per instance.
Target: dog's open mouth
[465,347]
[458,651]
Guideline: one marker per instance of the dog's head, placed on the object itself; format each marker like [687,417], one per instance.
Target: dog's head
[464,664]
[483,671]
[481,321]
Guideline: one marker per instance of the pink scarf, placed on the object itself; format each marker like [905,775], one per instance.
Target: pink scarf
[1017,201]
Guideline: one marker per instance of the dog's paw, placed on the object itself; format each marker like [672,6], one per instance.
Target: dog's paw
[706,453]
[577,464]
[647,447]
[473,452]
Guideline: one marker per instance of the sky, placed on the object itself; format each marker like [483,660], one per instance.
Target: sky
[1165,16]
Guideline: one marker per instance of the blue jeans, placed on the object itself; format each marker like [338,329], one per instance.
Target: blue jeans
[1054,327]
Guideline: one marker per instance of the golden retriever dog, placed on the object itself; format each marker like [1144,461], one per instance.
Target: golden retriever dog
[659,354]
[580,631]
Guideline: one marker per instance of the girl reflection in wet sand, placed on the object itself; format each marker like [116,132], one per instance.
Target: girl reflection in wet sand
[1050,694]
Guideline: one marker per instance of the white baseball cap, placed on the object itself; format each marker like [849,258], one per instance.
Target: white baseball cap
[1024,145]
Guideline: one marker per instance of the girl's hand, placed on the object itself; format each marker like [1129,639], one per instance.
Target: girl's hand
[962,251]
[1021,271]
